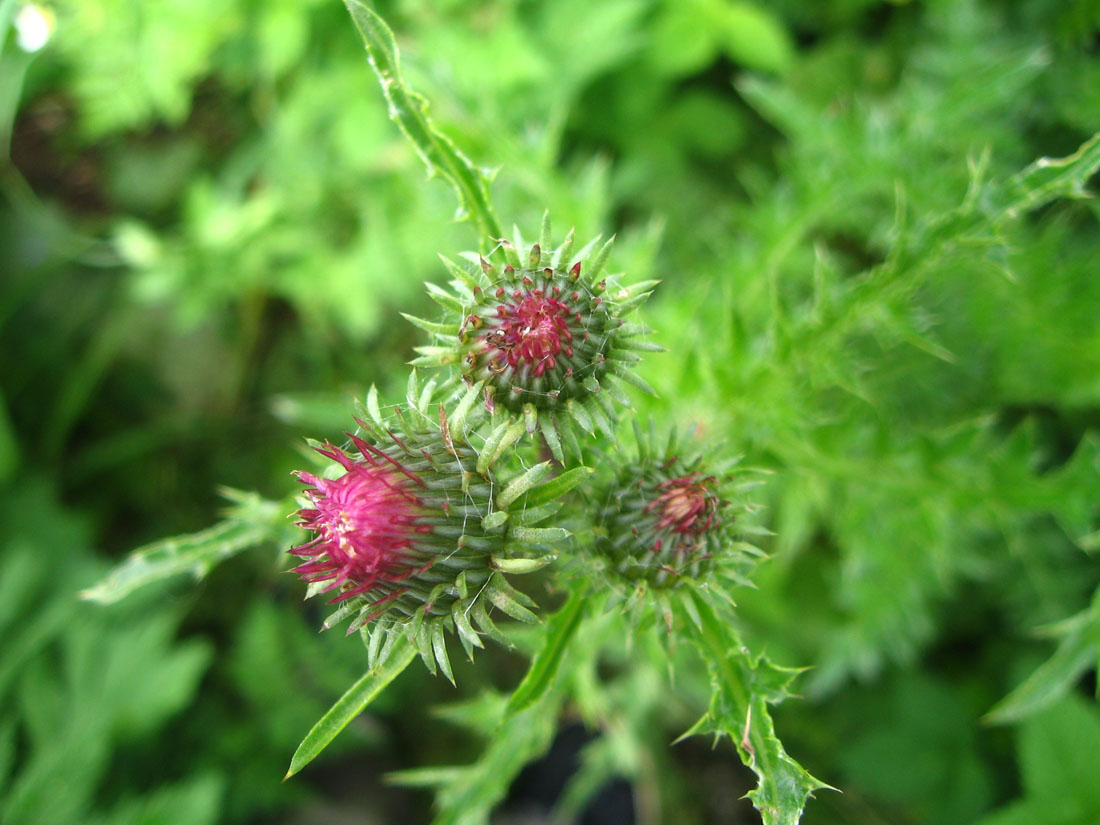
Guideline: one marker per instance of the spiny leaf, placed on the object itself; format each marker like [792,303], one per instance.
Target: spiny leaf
[743,688]
[252,521]
[1049,178]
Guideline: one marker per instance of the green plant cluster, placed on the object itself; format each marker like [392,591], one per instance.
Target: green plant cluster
[876,243]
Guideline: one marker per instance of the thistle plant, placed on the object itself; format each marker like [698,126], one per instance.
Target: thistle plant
[412,526]
[916,370]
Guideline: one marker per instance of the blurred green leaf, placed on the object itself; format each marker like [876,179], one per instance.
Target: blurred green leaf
[751,35]
[1057,752]
[466,795]
[913,743]
[250,521]
[9,447]
[1078,651]
[195,801]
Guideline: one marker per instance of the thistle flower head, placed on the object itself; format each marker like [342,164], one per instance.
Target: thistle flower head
[668,518]
[416,532]
[544,333]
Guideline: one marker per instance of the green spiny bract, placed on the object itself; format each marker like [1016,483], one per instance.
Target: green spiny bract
[665,519]
[417,533]
[544,334]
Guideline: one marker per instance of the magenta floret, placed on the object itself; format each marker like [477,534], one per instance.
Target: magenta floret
[364,524]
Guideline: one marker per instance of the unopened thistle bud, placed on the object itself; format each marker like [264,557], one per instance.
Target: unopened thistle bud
[416,532]
[544,333]
[666,518]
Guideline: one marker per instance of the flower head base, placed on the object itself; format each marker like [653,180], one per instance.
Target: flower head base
[667,520]
[544,334]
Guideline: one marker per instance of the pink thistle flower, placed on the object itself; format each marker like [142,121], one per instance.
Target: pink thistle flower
[402,537]
[365,525]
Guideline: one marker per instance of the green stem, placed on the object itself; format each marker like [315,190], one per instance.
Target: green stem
[409,110]
[743,688]
[562,627]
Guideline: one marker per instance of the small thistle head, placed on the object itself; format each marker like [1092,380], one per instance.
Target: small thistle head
[667,519]
[543,333]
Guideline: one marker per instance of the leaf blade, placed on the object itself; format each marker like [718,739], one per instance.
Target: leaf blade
[350,705]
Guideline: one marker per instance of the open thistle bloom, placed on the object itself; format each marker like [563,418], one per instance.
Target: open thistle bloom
[416,532]
[544,334]
[666,519]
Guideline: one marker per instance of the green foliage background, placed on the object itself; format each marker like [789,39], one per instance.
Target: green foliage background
[209,226]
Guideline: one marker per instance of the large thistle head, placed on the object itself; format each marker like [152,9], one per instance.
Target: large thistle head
[545,334]
[413,530]
[671,517]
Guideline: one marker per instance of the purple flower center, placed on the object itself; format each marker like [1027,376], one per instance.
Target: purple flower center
[532,329]
[687,505]
[364,525]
